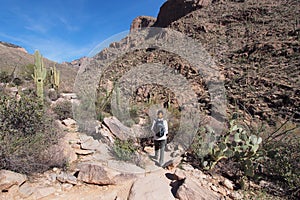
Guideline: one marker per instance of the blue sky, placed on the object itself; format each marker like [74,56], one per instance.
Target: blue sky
[64,30]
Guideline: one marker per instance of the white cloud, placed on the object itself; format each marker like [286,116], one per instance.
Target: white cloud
[37,28]
[67,24]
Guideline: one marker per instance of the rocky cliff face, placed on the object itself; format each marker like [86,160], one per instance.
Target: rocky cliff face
[173,10]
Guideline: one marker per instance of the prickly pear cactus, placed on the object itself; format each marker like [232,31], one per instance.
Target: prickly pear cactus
[237,144]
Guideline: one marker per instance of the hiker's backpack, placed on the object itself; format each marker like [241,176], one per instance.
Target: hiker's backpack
[159,128]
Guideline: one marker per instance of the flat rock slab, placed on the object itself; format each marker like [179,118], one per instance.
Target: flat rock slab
[193,190]
[65,143]
[41,192]
[153,186]
[125,167]
[26,190]
[9,178]
[90,144]
[94,173]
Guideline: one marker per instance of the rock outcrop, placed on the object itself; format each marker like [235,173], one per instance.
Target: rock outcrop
[142,22]
[172,10]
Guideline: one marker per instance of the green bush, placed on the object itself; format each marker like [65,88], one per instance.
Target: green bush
[63,110]
[124,150]
[127,151]
[26,136]
[282,164]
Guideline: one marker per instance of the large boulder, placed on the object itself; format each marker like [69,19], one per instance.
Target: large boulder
[52,93]
[118,129]
[94,173]
[9,179]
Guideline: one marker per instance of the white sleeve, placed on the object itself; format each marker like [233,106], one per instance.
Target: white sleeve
[152,127]
[166,126]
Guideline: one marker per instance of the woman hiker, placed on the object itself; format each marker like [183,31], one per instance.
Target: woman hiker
[160,131]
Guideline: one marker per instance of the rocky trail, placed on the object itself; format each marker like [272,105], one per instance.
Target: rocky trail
[93,173]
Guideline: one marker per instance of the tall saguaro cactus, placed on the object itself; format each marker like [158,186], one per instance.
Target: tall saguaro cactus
[55,78]
[40,73]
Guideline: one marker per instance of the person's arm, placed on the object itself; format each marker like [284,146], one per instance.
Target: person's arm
[166,126]
[152,127]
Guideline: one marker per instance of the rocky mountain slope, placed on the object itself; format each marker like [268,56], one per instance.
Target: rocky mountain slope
[256,46]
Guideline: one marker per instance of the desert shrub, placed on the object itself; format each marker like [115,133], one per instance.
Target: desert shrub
[124,150]
[281,158]
[4,77]
[2,91]
[100,117]
[28,72]
[63,110]
[281,165]
[26,135]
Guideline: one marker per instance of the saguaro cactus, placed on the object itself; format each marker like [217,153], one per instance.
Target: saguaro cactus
[54,77]
[40,73]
